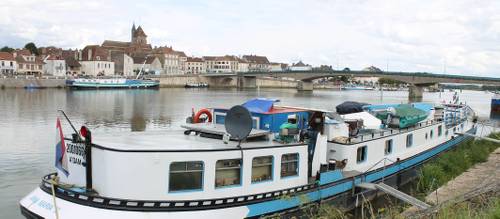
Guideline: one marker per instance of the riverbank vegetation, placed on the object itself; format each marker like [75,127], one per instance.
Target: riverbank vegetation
[453,163]
[480,207]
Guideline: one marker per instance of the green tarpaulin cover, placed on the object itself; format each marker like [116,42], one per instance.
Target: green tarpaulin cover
[407,115]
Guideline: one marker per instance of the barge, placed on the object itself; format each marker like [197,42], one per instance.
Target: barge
[495,103]
[290,157]
[111,83]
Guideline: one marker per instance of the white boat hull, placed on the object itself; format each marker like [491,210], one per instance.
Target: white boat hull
[42,204]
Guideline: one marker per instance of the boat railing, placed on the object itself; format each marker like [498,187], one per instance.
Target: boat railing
[385,160]
[95,200]
[377,135]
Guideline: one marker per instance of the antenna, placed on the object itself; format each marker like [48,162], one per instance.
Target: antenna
[238,123]
[69,121]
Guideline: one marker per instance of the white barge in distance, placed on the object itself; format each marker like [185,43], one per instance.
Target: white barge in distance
[291,157]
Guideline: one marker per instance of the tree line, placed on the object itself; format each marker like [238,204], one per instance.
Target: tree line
[29,46]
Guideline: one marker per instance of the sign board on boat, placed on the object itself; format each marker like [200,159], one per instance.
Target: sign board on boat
[70,160]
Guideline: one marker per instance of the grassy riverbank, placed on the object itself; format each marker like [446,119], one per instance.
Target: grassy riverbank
[480,207]
[453,163]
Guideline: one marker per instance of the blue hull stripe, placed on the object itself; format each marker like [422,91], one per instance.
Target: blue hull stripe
[295,201]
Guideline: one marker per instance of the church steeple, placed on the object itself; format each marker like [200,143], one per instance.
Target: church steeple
[132,32]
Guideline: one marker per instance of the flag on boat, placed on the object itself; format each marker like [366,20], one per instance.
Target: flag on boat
[61,156]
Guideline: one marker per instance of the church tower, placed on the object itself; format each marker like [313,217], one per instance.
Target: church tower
[138,36]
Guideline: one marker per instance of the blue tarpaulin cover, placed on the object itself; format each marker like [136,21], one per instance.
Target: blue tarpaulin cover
[260,105]
[423,106]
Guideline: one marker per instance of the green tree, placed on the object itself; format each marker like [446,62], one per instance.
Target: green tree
[32,48]
[389,81]
[345,78]
[6,49]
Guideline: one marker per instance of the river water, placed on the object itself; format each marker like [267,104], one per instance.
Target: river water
[27,120]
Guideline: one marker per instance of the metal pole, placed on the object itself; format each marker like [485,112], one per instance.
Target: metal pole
[69,121]
[483,138]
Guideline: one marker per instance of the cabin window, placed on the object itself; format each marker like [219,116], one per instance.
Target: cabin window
[409,140]
[432,134]
[426,136]
[186,176]
[446,133]
[289,165]
[388,147]
[228,172]
[440,130]
[262,168]
[361,154]
[219,119]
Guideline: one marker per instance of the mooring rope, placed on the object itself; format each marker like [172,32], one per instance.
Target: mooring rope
[53,182]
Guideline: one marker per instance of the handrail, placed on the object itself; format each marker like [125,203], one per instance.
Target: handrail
[383,159]
[363,138]
[374,165]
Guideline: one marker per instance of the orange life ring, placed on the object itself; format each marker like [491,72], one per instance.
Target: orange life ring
[196,118]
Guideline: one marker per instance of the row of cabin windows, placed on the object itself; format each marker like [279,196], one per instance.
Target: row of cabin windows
[362,153]
[389,144]
[189,175]
[439,130]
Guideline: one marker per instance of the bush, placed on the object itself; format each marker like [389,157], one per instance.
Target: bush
[431,176]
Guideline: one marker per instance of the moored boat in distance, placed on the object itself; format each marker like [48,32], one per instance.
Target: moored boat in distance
[352,87]
[111,83]
[196,85]
[495,103]
[289,157]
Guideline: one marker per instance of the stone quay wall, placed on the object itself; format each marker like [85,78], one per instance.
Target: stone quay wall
[26,82]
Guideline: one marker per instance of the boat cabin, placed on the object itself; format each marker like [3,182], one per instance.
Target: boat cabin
[266,115]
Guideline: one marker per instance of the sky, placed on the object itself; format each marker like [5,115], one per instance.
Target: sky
[438,36]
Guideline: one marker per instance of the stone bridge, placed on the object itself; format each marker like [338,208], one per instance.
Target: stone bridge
[417,80]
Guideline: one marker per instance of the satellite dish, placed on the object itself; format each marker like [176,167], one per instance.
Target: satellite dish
[238,122]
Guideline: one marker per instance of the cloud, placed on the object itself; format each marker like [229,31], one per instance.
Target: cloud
[411,35]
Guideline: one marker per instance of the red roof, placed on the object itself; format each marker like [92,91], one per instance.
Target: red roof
[180,53]
[256,59]
[23,52]
[281,109]
[6,56]
[299,64]
[194,59]
[97,53]
[221,58]
[168,50]
[54,57]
